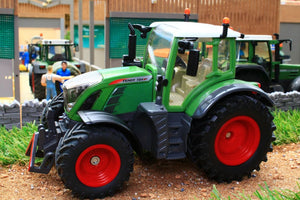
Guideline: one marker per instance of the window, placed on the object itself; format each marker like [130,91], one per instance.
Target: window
[158,50]
[242,51]
[183,84]
[224,55]
[57,53]
[262,51]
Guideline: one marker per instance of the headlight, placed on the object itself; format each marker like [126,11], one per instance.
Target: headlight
[75,86]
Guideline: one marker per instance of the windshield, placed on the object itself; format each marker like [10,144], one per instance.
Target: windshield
[158,50]
[58,53]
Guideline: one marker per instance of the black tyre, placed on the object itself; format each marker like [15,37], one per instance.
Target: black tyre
[233,139]
[57,105]
[39,91]
[68,134]
[94,162]
[30,77]
[255,77]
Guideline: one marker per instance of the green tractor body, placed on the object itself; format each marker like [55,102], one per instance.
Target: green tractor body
[182,100]
[260,59]
[50,52]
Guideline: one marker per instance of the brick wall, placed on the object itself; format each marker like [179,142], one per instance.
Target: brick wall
[31,110]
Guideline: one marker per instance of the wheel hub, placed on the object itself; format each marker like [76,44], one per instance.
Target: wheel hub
[95,160]
[237,140]
[228,135]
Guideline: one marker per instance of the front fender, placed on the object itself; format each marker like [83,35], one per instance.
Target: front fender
[237,88]
[100,117]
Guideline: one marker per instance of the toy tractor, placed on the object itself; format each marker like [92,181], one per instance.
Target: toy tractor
[182,100]
[259,59]
[50,52]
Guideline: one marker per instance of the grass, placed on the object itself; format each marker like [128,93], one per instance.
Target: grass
[265,193]
[288,126]
[13,144]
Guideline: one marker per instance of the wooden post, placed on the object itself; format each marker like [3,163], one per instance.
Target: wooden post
[92,48]
[80,29]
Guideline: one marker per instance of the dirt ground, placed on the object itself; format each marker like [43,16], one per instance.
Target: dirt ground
[161,180]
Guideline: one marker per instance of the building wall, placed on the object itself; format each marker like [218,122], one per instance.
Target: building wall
[9,49]
[99,10]
[26,33]
[32,11]
[252,17]
[290,29]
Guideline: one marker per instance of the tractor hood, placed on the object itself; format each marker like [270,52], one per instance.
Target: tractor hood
[86,80]
[125,75]
[85,85]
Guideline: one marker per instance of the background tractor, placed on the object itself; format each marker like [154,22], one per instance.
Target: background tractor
[50,52]
[182,100]
[260,59]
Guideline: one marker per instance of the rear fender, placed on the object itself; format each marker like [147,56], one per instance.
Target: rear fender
[228,90]
[252,68]
[36,68]
[99,117]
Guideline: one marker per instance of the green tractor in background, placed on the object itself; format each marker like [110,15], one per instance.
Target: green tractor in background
[50,52]
[260,59]
[182,100]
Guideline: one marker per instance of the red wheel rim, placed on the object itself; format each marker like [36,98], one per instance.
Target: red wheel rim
[237,140]
[98,165]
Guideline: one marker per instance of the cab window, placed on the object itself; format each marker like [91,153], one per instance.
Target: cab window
[183,84]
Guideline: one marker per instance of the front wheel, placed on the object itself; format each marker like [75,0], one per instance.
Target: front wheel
[94,162]
[233,139]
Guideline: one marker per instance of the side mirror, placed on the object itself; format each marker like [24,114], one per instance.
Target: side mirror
[183,45]
[192,67]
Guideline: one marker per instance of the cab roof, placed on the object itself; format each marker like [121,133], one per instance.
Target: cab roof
[193,29]
[56,42]
[256,38]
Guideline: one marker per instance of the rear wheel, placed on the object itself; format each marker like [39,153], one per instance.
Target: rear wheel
[39,91]
[233,139]
[94,162]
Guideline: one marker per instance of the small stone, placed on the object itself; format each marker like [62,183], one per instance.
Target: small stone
[152,195]
[60,193]
[3,176]
[178,176]
[143,174]
[144,195]
[204,190]
[293,167]
[276,176]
